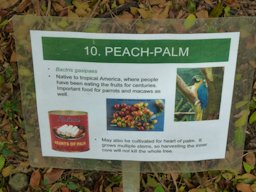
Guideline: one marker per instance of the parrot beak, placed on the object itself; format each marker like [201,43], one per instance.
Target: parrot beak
[192,82]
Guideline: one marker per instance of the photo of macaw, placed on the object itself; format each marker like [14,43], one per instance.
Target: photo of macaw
[200,91]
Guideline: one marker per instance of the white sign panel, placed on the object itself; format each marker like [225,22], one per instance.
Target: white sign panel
[150,97]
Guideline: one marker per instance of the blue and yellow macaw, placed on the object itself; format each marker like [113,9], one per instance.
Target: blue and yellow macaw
[199,88]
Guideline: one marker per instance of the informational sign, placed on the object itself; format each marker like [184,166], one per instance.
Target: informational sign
[139,97]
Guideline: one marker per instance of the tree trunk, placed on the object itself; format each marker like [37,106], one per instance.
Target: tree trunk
[214,78]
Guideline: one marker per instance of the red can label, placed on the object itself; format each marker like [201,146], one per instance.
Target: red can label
[69,131]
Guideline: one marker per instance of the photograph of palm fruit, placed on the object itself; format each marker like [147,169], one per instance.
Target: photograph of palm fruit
[198,93]
[135,115]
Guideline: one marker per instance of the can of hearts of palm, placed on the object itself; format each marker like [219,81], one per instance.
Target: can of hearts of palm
[69,130]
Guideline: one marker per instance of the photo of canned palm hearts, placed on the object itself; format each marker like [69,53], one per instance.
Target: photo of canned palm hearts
[69,130]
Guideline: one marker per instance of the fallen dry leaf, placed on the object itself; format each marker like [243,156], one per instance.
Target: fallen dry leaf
[209,190]
[145,14]
[161,13]
[79,175]
[35,179]
[55,187]
[134,10]
[23,167]
[82,8]
[23,153]
[5,125]
[209,2]
[62,2]
[57,7]
[7,171]
[231,2]
[157,2]
[156,11]
[13,57]
[125,16]
[53,175]
[37,8]
[72,14]
[82,12]
[250,158]
[23,5]
[121,2]
[243,187]
[7,4]
[253,187]
[64,189]
[190,21]
[117,189]
[247,176]
[202,14]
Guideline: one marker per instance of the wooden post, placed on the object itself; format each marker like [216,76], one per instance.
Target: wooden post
[131,176]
